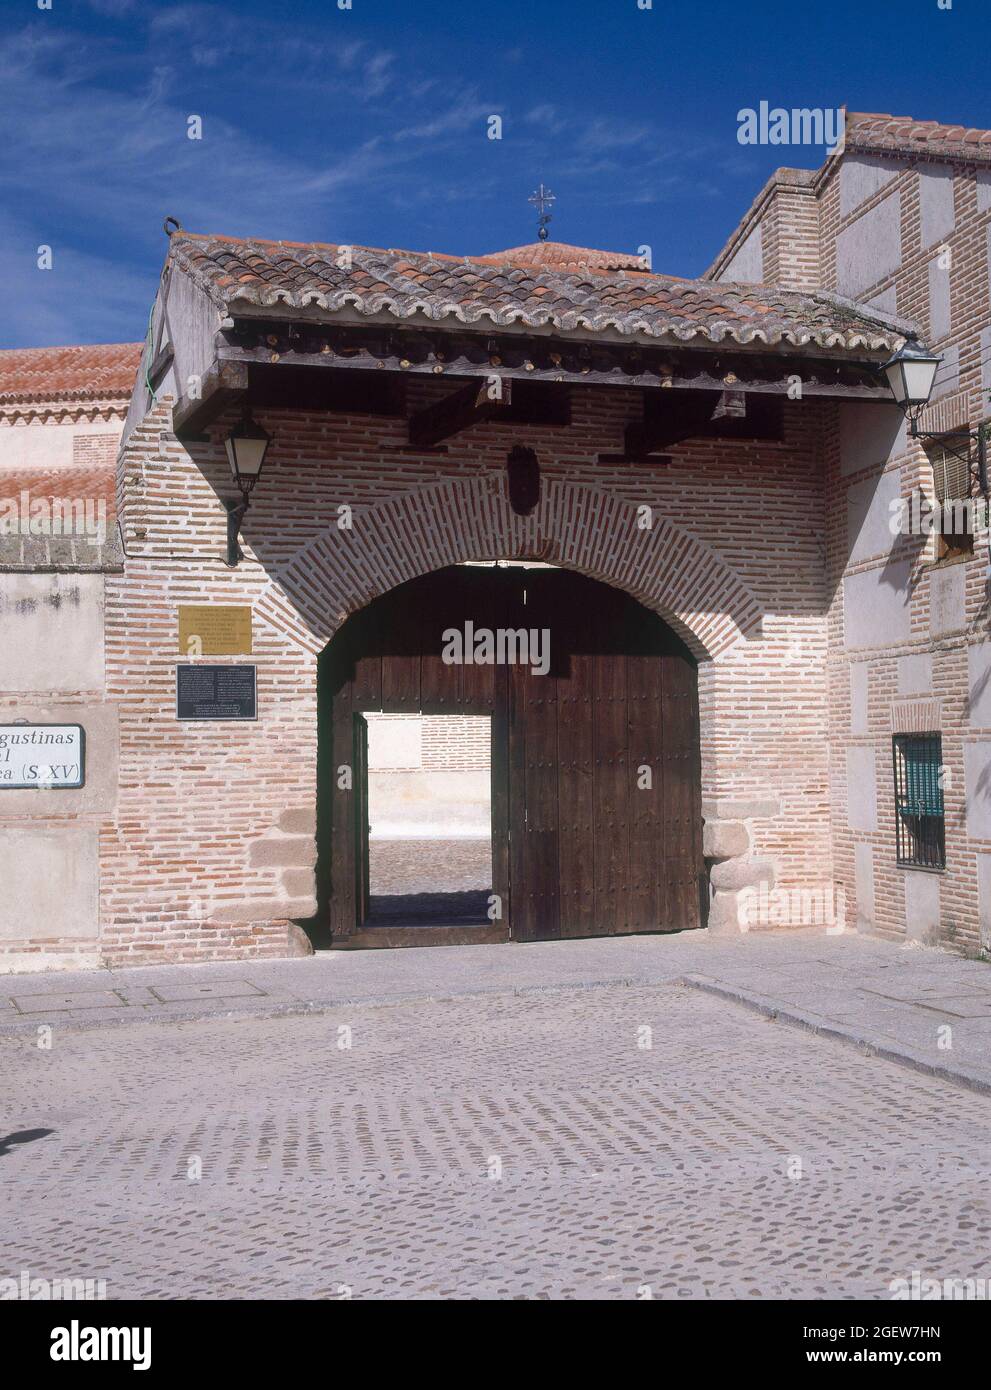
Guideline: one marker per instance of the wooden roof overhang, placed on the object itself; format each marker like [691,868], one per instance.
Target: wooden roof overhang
[688,391]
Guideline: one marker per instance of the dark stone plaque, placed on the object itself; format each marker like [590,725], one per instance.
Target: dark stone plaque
[215,692]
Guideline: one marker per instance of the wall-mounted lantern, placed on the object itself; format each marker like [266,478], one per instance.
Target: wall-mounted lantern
[911,374]
[246,447]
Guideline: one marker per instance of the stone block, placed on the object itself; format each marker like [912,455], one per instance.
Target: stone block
[864,885]
[50,882]
[299,820]
[863,175]
[299,944]
[869,249]
[947,373]
[724,914]
[947,590]
[979,685]
[747,265]
[886,301]
[859,677]
[870,435]
[284,851]
[921,906]
[724,839]
[265,910]
[730,875]
[984,898]
[977,789]
[51,632]
[936,209]
[298,883]
[871,506]
[740,807]
[861,788]
[877,606]
[915,674]
[939,300]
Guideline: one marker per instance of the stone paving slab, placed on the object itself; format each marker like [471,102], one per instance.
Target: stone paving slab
[58,1003]
[896,997]
[209,989]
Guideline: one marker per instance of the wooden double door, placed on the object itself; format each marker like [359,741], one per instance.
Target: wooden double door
[596,801]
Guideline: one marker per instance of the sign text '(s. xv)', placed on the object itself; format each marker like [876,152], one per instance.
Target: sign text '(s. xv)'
[41,755]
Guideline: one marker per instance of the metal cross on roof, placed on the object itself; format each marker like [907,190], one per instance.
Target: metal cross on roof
[542,200]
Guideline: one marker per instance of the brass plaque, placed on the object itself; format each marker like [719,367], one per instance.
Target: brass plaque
[214,629]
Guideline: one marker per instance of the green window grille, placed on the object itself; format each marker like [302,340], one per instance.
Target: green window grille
[919,813]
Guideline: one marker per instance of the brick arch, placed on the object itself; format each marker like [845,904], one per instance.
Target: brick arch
[575,526]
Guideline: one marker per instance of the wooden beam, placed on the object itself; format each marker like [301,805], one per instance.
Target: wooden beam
[675,416]
[161,362]
[220,387]
[320,389]
[470,405]
[699,372]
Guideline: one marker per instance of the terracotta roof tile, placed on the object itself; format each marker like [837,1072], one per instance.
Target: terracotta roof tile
[559,256]
[505,289]
[902,134]
[97,372]
[96,481]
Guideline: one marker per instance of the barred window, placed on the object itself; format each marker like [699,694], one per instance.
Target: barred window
[919,818]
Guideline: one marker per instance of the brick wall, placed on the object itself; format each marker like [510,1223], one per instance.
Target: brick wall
[211,849]
[777,242]
[908,235]
[458,743]
[923,675]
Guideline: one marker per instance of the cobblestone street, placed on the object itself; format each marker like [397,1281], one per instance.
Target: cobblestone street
[501,1146]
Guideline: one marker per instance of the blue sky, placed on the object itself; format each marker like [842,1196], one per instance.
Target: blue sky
[369,125]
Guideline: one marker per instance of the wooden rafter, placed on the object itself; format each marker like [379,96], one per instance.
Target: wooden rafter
[471,404]
[671,417]
[220,387]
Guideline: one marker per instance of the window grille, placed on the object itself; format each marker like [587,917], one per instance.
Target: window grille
[919,817]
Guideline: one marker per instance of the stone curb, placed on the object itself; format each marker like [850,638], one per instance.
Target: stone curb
[812,1023]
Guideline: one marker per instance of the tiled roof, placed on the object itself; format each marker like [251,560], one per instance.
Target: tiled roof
[94,547]
[69,373]
[240,275]
[557,255]
[78,482]
[904,135]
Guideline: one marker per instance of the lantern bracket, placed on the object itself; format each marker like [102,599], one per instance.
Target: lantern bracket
[236,509]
